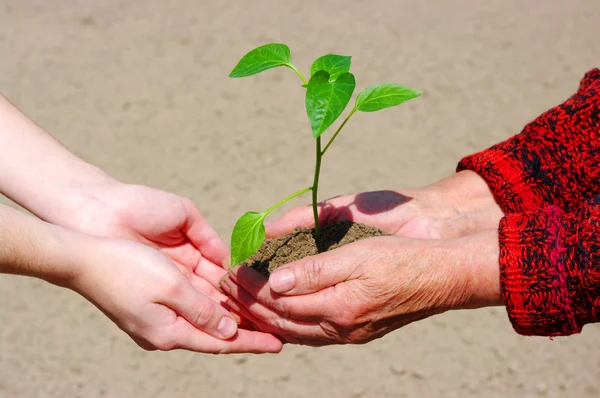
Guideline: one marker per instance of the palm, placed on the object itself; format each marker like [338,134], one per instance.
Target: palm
[167,222]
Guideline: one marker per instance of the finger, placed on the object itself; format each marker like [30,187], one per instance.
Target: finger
[255,321]
[315,273]
[203,236]
[227,262]
[267,319]
[331,210]
[258,324]
[241,320]
[202,312]
[310,307]
[197,265]
[206,288]
[186,336]
[204,282]
[209,271]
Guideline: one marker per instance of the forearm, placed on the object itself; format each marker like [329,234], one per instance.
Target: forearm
[35,248]
[37,172]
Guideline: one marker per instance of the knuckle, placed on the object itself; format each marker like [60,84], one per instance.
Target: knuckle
[336,333]
[205,313]
[330,330]
[279,324]
[284,308]
[361,310]
[346,318]
[313,273]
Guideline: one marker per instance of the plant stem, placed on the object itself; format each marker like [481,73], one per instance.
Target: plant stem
[292,67]
[338,131]
[315,189]
[292,196]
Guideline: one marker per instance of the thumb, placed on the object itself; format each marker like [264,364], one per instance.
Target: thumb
[202,312]
[315,273]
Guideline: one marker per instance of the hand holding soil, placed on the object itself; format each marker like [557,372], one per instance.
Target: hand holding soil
[353,289]
[355,293]
[364,290]
[498,236]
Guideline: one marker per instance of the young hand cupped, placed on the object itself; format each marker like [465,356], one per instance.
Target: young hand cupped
[151,299]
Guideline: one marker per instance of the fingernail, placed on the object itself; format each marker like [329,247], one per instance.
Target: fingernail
[227,327]
[282,281]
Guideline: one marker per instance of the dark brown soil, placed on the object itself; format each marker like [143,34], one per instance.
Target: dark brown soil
[301,243]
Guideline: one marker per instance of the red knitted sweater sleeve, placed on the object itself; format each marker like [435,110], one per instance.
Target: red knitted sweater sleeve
[550,269]
[554,161]
[547,181]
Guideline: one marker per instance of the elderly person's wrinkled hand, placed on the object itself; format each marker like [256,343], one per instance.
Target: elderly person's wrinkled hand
[364,290]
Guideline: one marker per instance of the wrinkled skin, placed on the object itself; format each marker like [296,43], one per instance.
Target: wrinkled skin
[367,289]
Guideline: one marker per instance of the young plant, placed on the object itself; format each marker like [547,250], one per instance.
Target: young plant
[328,92]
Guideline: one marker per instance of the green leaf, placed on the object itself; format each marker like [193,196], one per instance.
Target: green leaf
[333,64]
[262,58]
[325,100]
[381,96]
[247,236]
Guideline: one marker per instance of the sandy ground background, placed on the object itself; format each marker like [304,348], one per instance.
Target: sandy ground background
[140,88]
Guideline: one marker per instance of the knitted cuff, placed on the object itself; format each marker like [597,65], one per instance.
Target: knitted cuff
[535,283]
[504,174]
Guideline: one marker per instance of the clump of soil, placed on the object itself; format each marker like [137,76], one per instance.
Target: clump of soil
[301,243]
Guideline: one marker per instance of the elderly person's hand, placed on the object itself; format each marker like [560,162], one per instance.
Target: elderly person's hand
[458,205]
[367,289]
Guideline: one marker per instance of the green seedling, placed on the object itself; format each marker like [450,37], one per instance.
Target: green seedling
[328,92]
